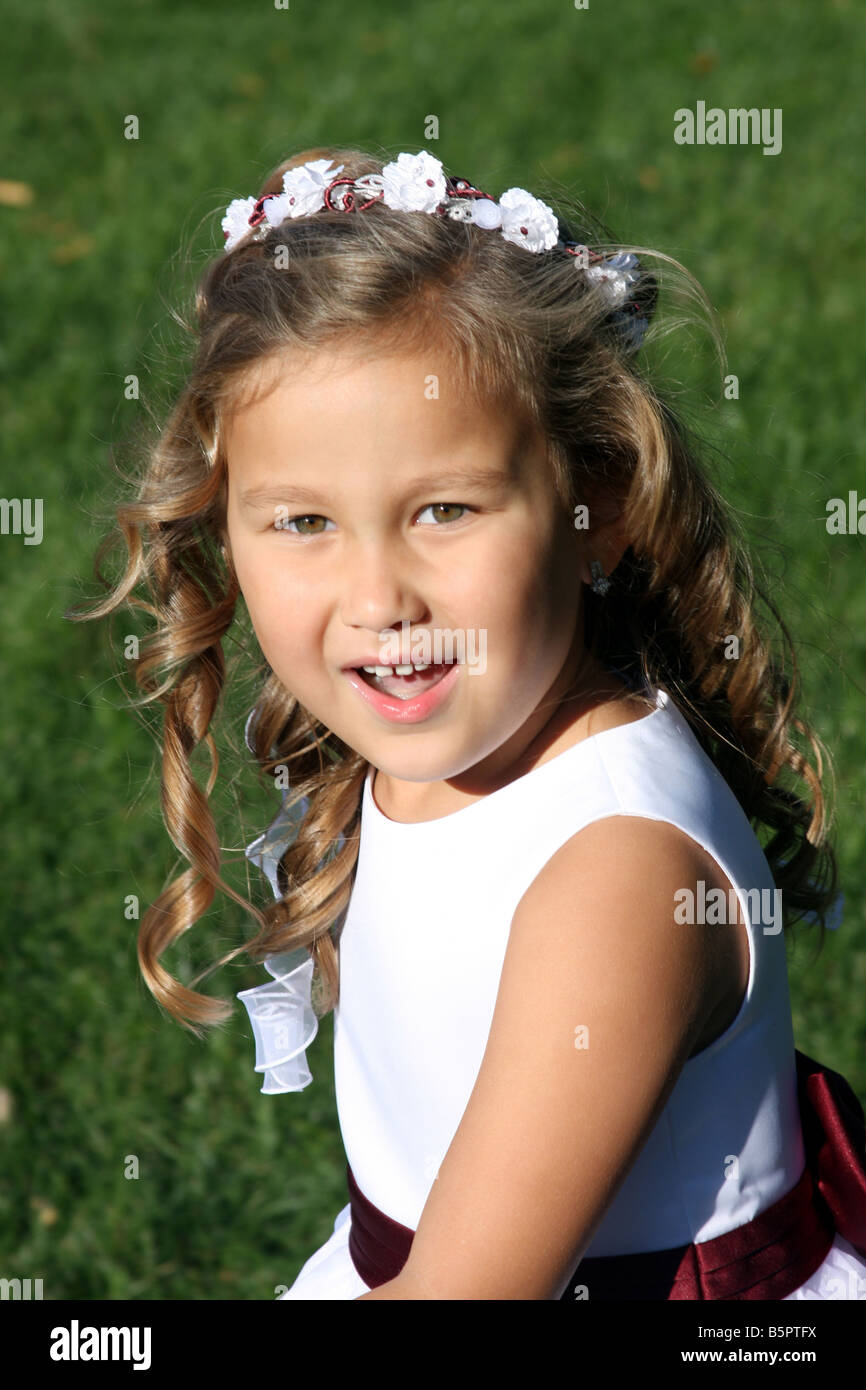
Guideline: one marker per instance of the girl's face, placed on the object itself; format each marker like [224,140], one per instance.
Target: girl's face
[360,501]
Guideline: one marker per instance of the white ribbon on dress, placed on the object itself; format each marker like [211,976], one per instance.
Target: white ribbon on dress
[283,1021]
[281,1010]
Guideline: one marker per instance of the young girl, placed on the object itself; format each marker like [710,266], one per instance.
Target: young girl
[526,729]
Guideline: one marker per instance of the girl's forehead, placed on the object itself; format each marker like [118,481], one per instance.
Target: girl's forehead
[323,362]
[317,375]
[282,416]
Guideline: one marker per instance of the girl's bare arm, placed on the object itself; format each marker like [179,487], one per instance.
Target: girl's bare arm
[552,1128]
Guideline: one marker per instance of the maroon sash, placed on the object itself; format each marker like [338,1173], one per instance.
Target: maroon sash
[767,1258]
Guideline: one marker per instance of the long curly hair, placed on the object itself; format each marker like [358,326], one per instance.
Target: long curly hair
[520,327]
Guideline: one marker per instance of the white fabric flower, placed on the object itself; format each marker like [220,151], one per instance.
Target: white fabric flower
[304,187]
[527,221]
[618,273]
[277,209]
[236,220]
[615,283]
[414,183]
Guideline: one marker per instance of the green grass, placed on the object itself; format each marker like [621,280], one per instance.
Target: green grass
[235,1189]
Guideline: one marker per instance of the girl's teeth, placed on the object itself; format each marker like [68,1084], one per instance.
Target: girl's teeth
[395,670]
[408,680]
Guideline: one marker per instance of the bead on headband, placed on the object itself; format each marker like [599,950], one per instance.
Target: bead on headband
[417,183]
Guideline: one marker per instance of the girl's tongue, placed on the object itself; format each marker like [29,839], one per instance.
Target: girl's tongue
[405,687]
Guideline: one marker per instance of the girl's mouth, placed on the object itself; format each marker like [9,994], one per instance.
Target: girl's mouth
[407,697]
[404,681]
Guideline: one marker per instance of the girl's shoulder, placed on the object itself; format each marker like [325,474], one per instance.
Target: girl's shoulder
[652,859]
[649,858]
[612,705]
[612,889]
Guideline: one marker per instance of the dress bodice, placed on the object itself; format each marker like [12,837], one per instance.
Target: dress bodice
[421,953]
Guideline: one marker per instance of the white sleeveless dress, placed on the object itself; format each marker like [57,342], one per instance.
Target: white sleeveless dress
[421,953]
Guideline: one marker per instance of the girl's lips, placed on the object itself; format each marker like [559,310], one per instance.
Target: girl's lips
[410,711]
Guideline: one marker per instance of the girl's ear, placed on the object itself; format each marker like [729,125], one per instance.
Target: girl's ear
[607,544]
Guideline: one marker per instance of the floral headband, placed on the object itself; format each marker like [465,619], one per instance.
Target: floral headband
[416,183]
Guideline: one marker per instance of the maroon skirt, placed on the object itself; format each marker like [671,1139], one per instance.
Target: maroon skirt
[767,1258]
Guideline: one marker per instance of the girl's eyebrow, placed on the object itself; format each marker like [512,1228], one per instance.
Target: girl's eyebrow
[491,479]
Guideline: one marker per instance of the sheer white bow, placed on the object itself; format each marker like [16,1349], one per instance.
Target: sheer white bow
[283,1021]
[280,1010]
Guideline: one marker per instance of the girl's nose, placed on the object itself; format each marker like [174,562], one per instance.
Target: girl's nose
[377,592]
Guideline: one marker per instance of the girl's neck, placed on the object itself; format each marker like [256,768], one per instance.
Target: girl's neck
[585,700]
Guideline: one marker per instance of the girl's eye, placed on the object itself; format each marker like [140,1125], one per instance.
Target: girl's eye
[306,525]
[288,523]
[446,507]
